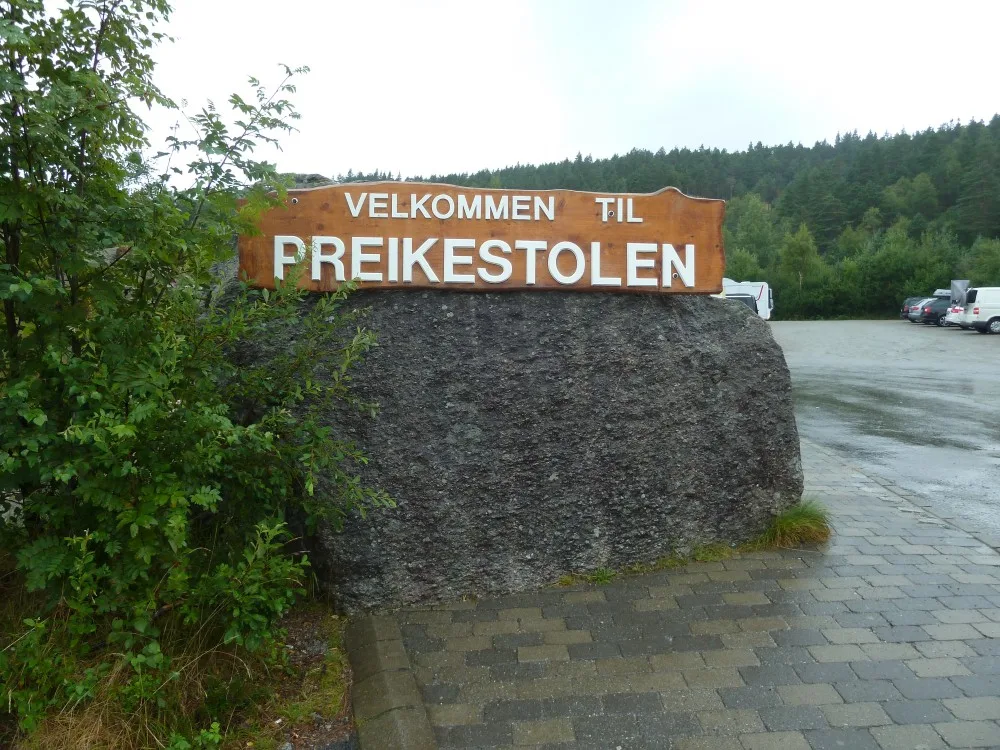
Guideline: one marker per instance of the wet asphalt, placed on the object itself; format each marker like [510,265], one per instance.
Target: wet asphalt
[918,405]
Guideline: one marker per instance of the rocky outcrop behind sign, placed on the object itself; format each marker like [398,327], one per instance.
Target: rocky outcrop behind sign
[526,435]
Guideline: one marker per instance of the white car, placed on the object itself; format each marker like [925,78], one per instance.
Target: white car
[956,317]
[984,305]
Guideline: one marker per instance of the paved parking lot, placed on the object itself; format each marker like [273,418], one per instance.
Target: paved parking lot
[917,404]
[889,639]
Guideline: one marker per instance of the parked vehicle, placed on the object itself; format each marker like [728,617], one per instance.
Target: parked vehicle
[945,307]
[931,311]
[907,304]
[916,307]
[956,317]
[747,299]
[984,303]
[759,290]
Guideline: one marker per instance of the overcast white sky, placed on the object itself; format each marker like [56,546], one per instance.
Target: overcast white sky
[459,85]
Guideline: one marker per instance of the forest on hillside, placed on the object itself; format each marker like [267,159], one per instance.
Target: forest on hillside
[846,229]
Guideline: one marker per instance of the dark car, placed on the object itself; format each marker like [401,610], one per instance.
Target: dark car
[746,299]
[907,304]
[931,311]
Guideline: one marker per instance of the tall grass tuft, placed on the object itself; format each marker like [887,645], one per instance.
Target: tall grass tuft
[805,523]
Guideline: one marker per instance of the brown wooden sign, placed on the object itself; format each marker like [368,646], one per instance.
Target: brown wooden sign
[398,235]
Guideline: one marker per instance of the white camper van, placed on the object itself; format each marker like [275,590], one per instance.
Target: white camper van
[759,290]
[983,307]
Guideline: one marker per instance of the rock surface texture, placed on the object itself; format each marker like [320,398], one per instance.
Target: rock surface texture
[527,435]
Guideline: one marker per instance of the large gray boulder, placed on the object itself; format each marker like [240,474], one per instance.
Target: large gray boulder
[527,435]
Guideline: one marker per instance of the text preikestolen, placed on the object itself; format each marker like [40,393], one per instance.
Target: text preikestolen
[398,235]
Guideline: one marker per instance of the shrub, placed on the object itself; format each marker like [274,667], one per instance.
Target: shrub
[146,479]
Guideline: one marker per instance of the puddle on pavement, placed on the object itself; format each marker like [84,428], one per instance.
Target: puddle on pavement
[879,413]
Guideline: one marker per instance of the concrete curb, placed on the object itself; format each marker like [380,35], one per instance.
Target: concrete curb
[388,707]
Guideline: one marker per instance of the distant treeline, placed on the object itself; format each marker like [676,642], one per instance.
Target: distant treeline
[842,229]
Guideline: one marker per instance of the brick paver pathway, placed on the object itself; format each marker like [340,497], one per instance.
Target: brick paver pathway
[889,638]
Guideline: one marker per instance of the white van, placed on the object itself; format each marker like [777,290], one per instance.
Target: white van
[982,307]
[759,290]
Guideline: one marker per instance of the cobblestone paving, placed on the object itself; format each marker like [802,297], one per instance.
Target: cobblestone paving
[888,639]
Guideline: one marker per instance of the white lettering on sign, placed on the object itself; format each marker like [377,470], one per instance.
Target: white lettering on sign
[520,206]
[451,260]
[596,279]
[418,205]
[633,263]
[495,210]
[498,260]
[444,206]
[647,264]
[393,274]
[359,256]
[684,271]
[416,257]
[280,259]
[470,210]
[336,259]
[605,202]
[378,206]
[355,208]
[625,209]
[578,271]
[530,247]
[547,207]
[433,236]
[440,213]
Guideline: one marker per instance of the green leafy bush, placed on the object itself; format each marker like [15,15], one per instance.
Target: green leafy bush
[148,468]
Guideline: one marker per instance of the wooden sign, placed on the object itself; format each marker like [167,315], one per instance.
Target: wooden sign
[398,235]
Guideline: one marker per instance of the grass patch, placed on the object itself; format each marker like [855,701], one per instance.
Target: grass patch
[607,575]
[303,698]
[713,552]
[662,563]
[808,522]
[602,575]
[805,523]
[310,703]
[599,576]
